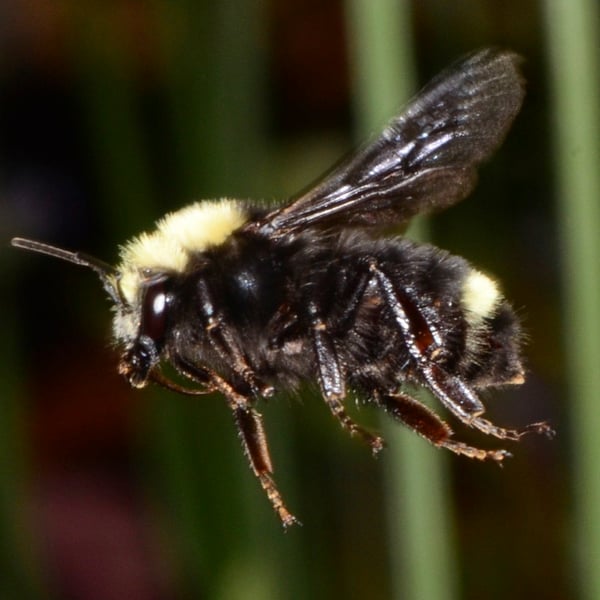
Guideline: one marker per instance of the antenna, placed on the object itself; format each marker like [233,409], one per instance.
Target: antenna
[107,273]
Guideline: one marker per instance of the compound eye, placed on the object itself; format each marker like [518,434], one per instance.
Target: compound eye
[154,308]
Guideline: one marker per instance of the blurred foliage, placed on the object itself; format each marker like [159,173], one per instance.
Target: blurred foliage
[112,113]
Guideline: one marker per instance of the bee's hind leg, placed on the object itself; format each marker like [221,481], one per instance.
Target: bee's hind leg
[461,400]
[427,424]
[423,343]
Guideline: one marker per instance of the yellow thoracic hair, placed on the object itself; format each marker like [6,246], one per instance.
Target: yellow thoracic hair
[177,235]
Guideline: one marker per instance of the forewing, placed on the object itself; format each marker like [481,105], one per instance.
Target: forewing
[425,158]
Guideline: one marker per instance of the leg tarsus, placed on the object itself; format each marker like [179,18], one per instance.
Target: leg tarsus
[270,488]
[486,426]
[540,428]
[375,442]
[463,449]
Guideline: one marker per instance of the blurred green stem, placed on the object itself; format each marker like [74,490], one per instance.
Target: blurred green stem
[573,31]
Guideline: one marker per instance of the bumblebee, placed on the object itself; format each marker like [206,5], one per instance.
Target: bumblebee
[244,300]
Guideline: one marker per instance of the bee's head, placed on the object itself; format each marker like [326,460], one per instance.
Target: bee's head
[140,307]
[141,286]
[140,325]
